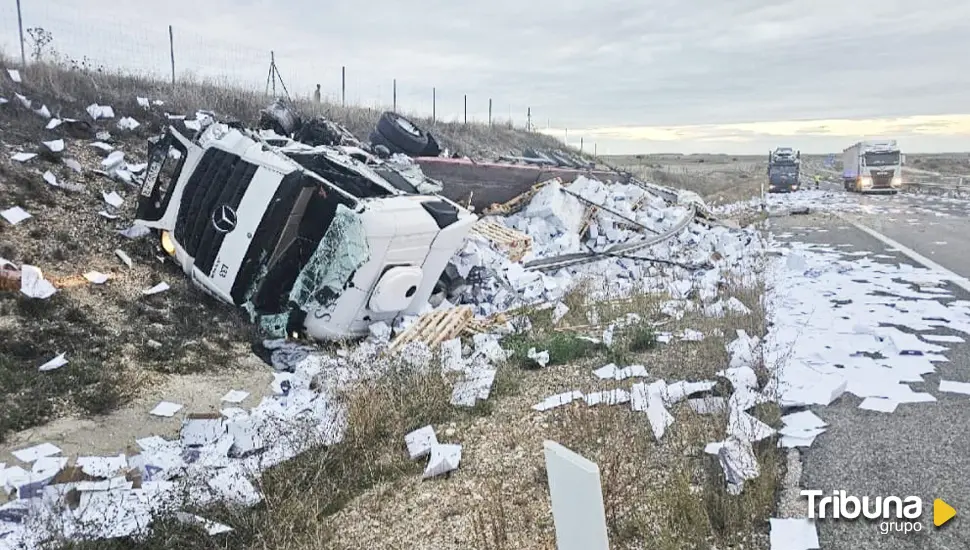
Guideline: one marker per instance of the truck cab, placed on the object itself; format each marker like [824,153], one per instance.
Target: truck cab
[784,165]
[305,239]
[873,167]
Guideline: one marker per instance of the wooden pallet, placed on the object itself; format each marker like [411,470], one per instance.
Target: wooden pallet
[484,326]
[515,244]
[517,202]
[435,327]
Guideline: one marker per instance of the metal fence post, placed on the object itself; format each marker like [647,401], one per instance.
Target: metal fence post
[20,26]
[171,51]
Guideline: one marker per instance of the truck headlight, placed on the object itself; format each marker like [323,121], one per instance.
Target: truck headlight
[167,245]
[897,181]
[865,181]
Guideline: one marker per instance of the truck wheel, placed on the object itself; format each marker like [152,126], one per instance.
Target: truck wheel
[403,133]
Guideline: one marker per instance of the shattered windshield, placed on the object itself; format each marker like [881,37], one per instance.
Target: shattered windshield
[341,252]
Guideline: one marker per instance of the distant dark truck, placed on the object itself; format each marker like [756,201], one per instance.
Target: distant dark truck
[784,166]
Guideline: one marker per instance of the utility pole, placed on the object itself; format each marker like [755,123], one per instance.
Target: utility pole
[466,108]
[20,25]
[528,119]
[343,85]
[395,95]
[434,104]
[171,49]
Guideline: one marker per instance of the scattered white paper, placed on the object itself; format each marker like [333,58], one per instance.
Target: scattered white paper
[15,215]
[166,409]
[136,231]
[96,277]
[123,257]
[55,363]
[444,459]
[955,387]
[55,146]
[31,454]
[235,396]
[793,534]
[113,199]
[879,404]
[33,283]
[160,287]
[420,441]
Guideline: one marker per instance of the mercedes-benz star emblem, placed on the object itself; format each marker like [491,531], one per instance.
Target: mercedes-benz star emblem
[224,219]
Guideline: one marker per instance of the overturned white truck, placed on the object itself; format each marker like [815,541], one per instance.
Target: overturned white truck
[304,238]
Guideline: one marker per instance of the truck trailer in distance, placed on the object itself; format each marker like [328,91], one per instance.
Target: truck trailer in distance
[784,165]
[872,167]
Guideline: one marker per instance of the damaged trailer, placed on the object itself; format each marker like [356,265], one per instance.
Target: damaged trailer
[303,238]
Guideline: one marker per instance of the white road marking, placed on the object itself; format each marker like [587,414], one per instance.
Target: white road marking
[961,282]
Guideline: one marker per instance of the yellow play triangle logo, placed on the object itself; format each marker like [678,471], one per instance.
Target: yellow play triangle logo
[942,512]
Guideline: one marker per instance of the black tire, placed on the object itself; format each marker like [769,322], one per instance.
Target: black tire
[377,138]
[403,133]
[433,149]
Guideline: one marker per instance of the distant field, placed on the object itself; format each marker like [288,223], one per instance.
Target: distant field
[717,178]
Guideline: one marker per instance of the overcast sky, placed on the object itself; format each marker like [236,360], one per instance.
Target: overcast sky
[665,76]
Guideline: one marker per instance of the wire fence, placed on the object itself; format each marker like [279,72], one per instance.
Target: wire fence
[145,46]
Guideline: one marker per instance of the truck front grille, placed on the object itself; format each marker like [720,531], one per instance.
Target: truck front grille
[882,182]
[221,178]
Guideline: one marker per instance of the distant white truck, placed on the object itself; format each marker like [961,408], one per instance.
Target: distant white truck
[873,167]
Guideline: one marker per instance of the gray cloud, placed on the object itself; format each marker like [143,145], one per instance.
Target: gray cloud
[577,64]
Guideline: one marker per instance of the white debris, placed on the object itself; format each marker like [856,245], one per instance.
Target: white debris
[136,231]
[611,371]
[160,287]
[540,357]
[559,312]
[739,463]
[33,283]
[444,459]
[15,215]
[235,396]
[616,396]
[100,111]
[57,362]
[793,534]
[55,146]
[128,123]
[22,157]
[14,75]
[36,452]
[123,257]
[166,408]
[558,400]
[73,165]
[96,277]
[113,199]
[420,441]
[955,387]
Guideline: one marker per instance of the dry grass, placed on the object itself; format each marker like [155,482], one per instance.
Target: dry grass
[719,179]
[69,90]
[364,492]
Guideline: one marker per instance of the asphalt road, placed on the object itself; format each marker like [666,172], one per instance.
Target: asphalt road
[921,449]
